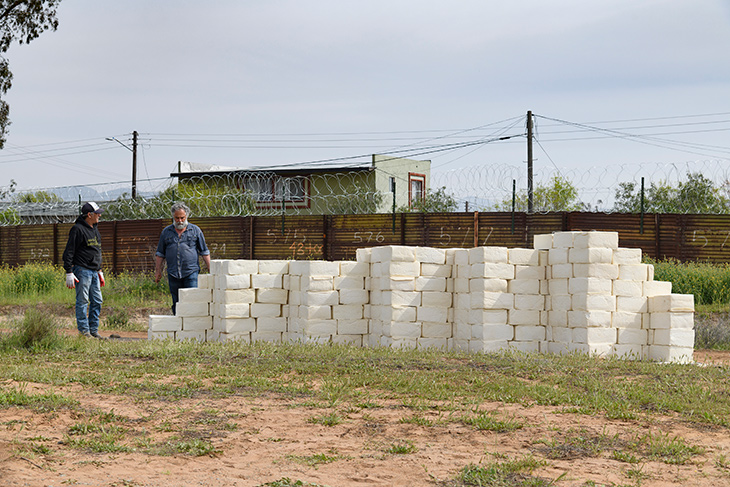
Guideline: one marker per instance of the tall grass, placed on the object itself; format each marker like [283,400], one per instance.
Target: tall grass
[710,283]
[45,283]
[35,331]
[28,283]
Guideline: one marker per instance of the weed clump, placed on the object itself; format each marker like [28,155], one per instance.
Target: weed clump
[35,331]
[30,279]
[712,331]
[118,319]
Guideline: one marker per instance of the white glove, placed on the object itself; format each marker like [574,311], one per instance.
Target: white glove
[71,280]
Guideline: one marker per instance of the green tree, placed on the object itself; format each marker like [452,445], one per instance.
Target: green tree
[438,201]
[697,194]
[37,197]
[9,190]
[559,195]
[9,216]
[21,21]
[203,197]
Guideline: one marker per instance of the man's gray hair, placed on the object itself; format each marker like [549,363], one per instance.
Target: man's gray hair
[180,206]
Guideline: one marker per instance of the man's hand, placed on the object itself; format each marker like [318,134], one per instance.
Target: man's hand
[158,276]
[101,279]
[71,280]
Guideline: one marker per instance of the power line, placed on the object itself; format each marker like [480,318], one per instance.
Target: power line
[643,139]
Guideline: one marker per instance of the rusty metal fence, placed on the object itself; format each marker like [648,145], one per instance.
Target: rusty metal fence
[130,245]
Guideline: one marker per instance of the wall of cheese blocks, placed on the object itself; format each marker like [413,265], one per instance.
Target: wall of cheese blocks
[573,292]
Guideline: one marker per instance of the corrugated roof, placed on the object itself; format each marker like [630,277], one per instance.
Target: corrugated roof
[198,169]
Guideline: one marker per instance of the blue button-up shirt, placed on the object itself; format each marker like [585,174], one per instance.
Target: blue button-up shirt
[181,251]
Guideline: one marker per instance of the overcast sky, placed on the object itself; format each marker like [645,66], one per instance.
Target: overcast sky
[252,83]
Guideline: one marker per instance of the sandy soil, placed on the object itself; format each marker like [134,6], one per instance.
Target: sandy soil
[272,440]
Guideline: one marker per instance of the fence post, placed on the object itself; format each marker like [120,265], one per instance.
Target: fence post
[476,229]
[514,191]
[402,228]
[114,248]
[392,188]
[641,221]
[251,239]
[325,232]
[55,244]
[657,237]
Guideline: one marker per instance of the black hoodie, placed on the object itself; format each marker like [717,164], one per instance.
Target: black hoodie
[83,247]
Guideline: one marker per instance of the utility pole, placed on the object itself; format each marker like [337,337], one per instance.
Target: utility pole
[133,150]
[529,162]
[134,164]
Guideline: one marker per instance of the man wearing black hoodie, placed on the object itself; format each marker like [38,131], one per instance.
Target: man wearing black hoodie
[82,262]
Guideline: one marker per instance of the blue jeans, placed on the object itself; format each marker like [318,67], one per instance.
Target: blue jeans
[177,284]
[88,299]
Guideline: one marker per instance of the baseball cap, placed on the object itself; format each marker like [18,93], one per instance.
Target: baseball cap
[91,207]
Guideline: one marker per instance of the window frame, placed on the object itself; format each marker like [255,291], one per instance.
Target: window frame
[412,176]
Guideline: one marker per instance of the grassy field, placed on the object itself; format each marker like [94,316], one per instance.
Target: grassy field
[428,390]
[48,373]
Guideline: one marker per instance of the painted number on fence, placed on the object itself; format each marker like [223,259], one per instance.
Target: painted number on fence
[40,254]
[275,236]
[445,238]
[301,250]
[368,237]
[217,251]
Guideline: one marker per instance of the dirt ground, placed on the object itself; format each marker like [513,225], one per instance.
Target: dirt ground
[271,436]
[272,440]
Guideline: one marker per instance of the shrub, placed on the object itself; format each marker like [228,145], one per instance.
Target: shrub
[712,331]
[118,318]
[37,330]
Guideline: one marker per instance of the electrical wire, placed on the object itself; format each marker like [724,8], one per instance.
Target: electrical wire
[643,139]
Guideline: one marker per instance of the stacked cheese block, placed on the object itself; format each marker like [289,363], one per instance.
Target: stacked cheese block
[603,300]
[312,297]
[409,302]
[352,310]
[269,308]
[327,302]
[499,300]
[232,299]
[574,292]
[192,320]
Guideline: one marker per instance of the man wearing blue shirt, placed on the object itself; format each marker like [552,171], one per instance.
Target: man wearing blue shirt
[180,245]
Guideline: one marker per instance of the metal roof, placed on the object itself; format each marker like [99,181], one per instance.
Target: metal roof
[189,169]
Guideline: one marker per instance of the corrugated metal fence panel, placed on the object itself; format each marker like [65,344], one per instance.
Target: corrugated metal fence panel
[669,236]
[544,224]
[301,237]
[414,229]
[9,245]
[130,245]
[499,229]
[705,238]
[61,233]
[226,237]
[35,243]
[448,230]
[347,233]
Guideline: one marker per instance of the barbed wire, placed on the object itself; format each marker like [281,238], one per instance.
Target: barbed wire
[690,187]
